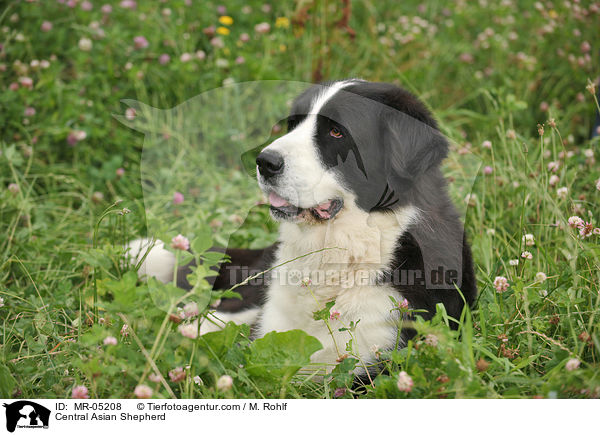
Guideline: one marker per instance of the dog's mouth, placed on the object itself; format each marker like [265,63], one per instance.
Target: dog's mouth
[283,209]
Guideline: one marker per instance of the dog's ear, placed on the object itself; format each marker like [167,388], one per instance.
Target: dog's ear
[413,143]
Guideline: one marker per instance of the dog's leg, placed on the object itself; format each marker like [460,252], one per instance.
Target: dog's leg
[159,263]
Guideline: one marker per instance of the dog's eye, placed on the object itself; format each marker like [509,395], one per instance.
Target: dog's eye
[335,132]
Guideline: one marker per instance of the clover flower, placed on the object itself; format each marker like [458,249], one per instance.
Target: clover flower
[110,341]
[177,374]
[575,222]
[572,364]
[405,382]
[431,340]
[14,188]
[334,315]
[527,255]
[143,392]
[80,392]
[180,242]
[224,383]
[541,277]
[85,44]
[262,28]
[561,192]
[501,284]
[189,330]
[529,240]
[140,42]
[178,198]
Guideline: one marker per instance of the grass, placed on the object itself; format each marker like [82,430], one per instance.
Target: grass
[490,71]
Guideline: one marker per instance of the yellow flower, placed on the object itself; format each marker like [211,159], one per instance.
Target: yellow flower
[282,22]
[226,20]
[282,48]
[222,30]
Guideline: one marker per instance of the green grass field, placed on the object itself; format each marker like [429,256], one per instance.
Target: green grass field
[511,83]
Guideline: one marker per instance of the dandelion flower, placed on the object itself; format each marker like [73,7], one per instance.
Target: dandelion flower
[226,20]
[223,30]
[282,22]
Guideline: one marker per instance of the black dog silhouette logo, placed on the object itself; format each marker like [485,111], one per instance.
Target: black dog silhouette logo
[26,414]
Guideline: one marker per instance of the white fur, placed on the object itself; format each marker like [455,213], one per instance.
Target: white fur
[367,242]
[159,262]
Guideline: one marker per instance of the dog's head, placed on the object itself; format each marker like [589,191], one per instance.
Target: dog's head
[349,143]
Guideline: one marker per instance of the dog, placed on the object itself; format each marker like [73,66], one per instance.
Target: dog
[365,223]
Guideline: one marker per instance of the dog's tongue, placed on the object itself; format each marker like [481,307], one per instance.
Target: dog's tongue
[323,210]
[277,201]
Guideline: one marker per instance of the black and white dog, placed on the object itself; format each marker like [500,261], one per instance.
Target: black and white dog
[364,216]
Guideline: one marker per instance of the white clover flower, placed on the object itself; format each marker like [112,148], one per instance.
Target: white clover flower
[224,383]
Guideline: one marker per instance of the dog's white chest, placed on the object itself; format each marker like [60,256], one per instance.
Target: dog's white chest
[345,272]
[369,308]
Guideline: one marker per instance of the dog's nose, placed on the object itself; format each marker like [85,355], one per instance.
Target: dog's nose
[269,163]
